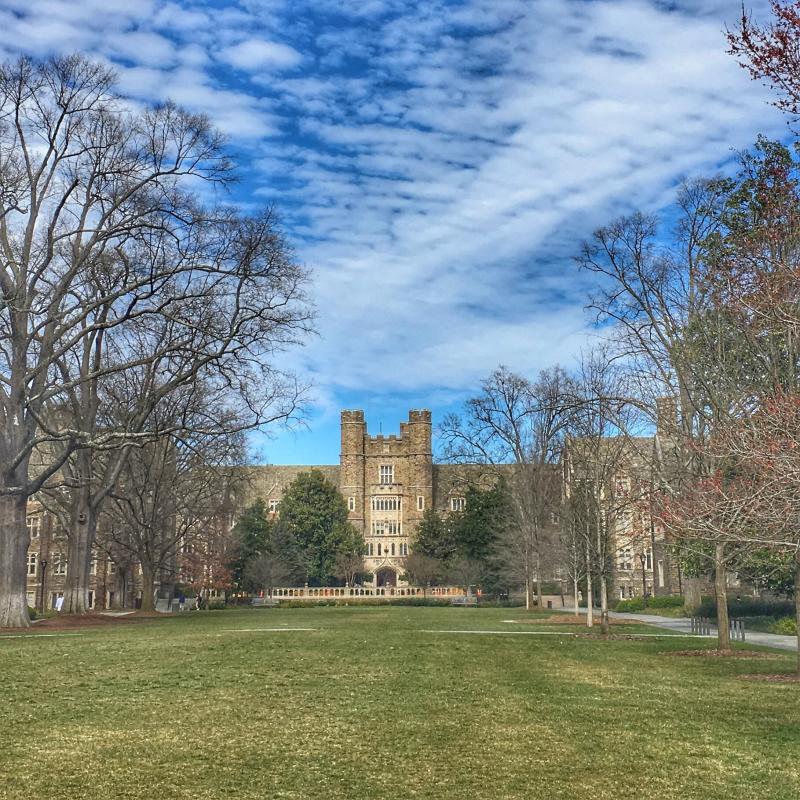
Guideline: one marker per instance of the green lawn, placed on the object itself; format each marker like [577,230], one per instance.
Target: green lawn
[368,705]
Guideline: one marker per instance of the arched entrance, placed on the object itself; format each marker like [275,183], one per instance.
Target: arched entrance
[385,576]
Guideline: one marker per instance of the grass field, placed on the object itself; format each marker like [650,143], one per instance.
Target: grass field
[370,704]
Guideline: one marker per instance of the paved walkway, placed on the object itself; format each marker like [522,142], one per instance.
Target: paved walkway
[684,625]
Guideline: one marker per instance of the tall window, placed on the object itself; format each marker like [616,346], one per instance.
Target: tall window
[387,473]
[34,524]
[386,503]
[33,563]
[648,560]
[624,558]
[420,503]
[351,504]
[403,548]
[457,503]
[273,506]
[59,564]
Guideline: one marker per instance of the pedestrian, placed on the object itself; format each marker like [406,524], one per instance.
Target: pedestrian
[182,602]
[198,602]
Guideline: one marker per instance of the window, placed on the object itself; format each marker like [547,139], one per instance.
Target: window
[273,506]
[59,564]
[34,524]
[386,527]
[112,568]
[386,503]
[392,548]
[624,559]
[351,504]
[648,560]
[379,549]
[420,503]
[403,548]
[387,473]
[93,566]
[457,503]
[369,548]
[33,563]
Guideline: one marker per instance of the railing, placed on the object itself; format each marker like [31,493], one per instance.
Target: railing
[702,627]
[317,593]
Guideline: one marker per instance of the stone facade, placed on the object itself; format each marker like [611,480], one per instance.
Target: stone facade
[388,483]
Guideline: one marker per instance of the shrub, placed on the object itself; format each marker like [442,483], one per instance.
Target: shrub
[632,605]
[216,603]
[748,607]
[786,626]
[665,602]
[33,613]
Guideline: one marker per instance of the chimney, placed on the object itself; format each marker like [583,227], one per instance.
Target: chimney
[666,417]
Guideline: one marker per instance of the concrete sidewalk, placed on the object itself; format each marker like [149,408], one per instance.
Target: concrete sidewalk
[684,625]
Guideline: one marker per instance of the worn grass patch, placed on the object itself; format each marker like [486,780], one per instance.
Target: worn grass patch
[365,705]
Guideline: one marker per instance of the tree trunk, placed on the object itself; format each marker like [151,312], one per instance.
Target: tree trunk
[603,604]
[575,595]
[528,594]
[589,618]
[691,594]
[148,587]
[14,542]
[721,587]
[79,555]
[797,604]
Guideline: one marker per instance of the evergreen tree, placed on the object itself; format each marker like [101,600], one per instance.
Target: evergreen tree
[485,516]
[251,533]
[316,514]
[435,537]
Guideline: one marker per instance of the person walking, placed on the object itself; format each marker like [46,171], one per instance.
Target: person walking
[181,602]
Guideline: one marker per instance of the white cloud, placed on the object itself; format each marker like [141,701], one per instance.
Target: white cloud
[437,162]
[253,55]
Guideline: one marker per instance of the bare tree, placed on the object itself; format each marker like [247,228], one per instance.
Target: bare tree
[516,428]
[598,456]
[422,570]
[102,245]
[173,492]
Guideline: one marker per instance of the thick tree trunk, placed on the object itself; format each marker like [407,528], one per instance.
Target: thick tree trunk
[148,588]
[691,594]
[79,556]
[721,587]
[14,542]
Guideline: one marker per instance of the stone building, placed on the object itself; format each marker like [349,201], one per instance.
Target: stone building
[388,483]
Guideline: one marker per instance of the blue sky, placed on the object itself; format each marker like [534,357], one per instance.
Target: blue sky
[436,163]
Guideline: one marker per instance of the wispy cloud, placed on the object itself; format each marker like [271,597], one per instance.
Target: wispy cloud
[438,162]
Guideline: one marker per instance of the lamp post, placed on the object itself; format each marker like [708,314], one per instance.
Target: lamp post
[643,560]
[43,567]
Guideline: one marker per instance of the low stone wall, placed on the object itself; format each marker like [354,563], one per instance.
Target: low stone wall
[318,593]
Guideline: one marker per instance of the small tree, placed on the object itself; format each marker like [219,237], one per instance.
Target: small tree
[422,570]
[250,536]
[349,561]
